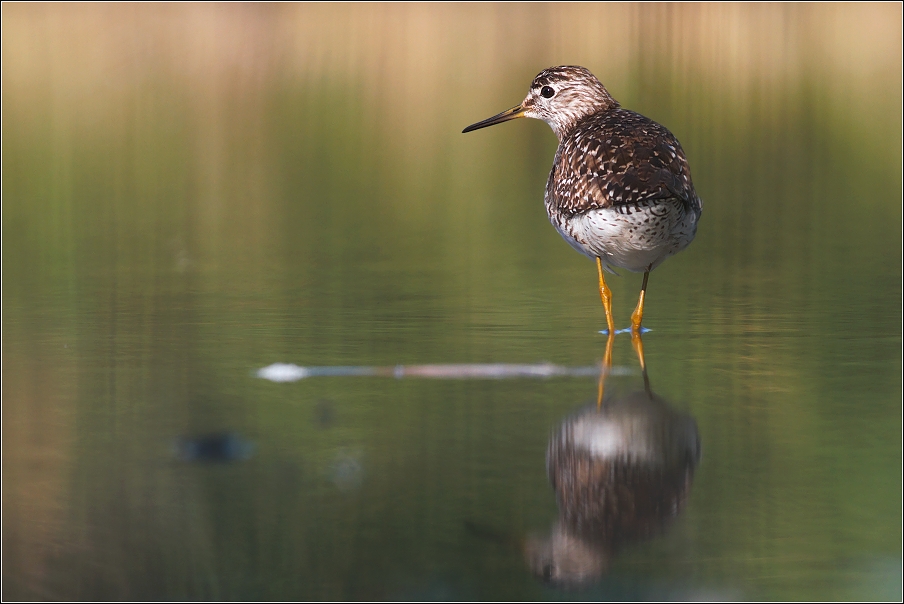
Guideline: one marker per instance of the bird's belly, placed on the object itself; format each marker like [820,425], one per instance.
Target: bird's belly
[635,238]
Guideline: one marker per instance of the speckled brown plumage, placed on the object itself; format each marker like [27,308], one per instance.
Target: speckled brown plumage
[618,158]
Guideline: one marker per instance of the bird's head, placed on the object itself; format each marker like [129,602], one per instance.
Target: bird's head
[561,97]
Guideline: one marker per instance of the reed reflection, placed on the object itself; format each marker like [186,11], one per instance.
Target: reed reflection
[621,470]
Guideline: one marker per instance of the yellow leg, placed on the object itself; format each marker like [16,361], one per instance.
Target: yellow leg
[605,368]
[606,297]
[637,315]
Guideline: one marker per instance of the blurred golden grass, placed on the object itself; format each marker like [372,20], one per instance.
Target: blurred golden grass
[421,59]
[82,74]
[422,72]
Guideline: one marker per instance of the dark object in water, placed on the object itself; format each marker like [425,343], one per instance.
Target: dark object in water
[214,448]
[325,414]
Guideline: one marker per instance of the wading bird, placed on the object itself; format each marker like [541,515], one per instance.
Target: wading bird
[620,189]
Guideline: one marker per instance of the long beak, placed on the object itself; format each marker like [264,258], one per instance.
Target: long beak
[509,114]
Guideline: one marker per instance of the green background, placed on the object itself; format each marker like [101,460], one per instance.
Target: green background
[192,193]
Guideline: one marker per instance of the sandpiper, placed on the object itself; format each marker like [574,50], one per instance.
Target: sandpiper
[620,189]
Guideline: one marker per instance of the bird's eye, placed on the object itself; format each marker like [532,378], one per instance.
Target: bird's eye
[547,92]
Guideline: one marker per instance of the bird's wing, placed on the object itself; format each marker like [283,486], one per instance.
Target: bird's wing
[620,158]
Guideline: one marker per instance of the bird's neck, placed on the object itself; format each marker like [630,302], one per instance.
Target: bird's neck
[566,124]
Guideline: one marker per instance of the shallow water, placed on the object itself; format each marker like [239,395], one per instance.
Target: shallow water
[191,195]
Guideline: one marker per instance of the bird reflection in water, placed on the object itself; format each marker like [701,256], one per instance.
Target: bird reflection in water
[218,447]
[621,470]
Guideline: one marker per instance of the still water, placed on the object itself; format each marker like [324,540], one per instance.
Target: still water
[192,195]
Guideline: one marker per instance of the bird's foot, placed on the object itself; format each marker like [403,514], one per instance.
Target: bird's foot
[642,330]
